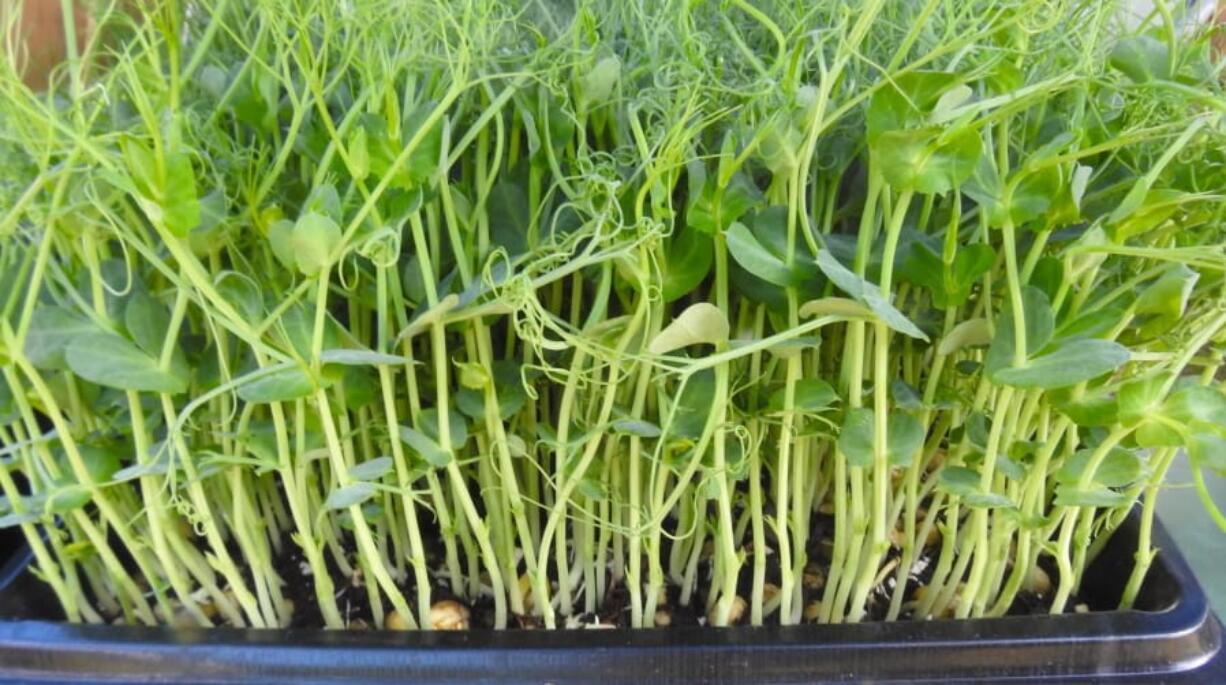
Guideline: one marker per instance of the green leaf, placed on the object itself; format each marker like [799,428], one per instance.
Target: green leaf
[778,145]
[713,209]
[68,498]
[951,285]
[598,83]
[101,461]
[8,407]
[1207,448]
[834,306]
[1165,300]
[14,519]
[905,397]
[429,450]
[689,257]
[107,359]
[963,482]
[592,488]
[282,385]
[969,333]
[370,512]
[868,294]
[314,238]
[988,500]
[1119,468]
[1070,496]
[977,429]
[856,437]
[351,357]
[1089,412]
[1048,276]
[349,496]
[693,406]
[362,387]
[701,323]
[166,190]
[134,471]
[281,240]
[927,160]
[1094,324]
[473,375]
[907,101]
[508,386]
[359,154]
[1140,58]
[457,426]
[970,264]
[1193,404]
[1010,468]
[241,292]
[904,437]
[813,395]
[756,259]
[147,321]
[1040,325]
[1070,363]
[509,217]
[949,101]
[1139,398]
[1024,197]
[371,469]
[52,329]
[639,427]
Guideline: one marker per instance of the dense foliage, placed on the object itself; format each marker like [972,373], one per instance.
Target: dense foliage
[732,304]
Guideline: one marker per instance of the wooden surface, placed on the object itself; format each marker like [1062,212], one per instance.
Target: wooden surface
[36,35]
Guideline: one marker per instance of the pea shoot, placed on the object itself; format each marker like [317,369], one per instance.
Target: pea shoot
[438,315]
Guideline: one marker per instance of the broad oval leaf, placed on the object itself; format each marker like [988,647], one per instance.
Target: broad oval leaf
[1070,496]
[349,357]
[904,438]
[969,333]
[689,257]
[1207,448]
[834,306]
[1070,363]
[1197,404]
[371,469]
[107,359]
[744,247]
[314,238]
[1039,326]
[1141,58]
[810,395]
[867,293]
[1119,468]
[963,482]
[429,450]
[15,519]
[929,160]
[279,386]
[52,329]
[147,321]
[349,496]
[701,323]
[638,427]
[856,437]
[65,499]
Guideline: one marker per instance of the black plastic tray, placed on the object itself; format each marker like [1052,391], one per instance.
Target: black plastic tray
[1177,640]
